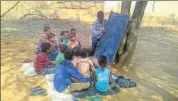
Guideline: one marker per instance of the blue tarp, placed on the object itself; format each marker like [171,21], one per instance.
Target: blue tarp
[109,44]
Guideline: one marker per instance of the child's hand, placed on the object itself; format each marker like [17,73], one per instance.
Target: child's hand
[53,62]
[109,66]
[92,83]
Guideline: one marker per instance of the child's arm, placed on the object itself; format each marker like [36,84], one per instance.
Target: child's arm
[65,36]
[93,78]
[92,66]
[52,62]
[112,82]
[95,62]
[76,74]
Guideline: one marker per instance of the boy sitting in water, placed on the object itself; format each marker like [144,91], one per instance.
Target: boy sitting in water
[102,76]
[73,41]
[60,56]
[84,64]
[64,73]
[42,63]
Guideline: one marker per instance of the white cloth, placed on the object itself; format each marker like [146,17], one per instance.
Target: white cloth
[56,96]
[29,69]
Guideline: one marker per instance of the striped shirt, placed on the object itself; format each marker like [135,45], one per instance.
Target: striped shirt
[98,28]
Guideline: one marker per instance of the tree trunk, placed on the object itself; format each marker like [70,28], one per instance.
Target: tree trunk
[10,9]
[125,8]
[131,39]
[139,12]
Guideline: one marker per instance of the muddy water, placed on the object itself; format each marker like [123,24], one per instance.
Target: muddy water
[154,67]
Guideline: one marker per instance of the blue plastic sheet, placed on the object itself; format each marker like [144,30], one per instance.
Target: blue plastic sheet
[109,44]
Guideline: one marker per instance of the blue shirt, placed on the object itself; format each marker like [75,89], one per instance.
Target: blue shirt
[102,76]
[64,72]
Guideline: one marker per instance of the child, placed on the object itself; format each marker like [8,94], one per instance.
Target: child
[103,76]
[84,64]
[65,71]
[42,62]
[64,38]
[60,56]
[73,31]
[76,56]
[54,52]
[73,42]
[46,31]
[44,37]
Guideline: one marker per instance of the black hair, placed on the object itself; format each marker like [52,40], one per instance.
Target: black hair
[66,31]
[84,53]
[76,51]
[73,29]
[68,54]
[100,13]
[46,29]
[50,35]
[102,61]
[45,46]
[63,48]
[73,34]
[62,33]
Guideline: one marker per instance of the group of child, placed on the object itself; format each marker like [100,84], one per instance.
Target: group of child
[73,69]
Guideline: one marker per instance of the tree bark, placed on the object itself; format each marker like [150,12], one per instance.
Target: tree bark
[131,40]
[125,8]
[139,12]
[10,9]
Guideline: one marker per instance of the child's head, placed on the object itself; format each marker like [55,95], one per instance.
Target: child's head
[84,53]
[68,54]
[63,48]
[73,30]
[47,29]
[102,61]
[46,47]
[73,37]
[51,37]
[66,33]
[62,33]
[76,51]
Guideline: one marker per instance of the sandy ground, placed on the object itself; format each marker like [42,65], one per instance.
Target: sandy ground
[154,65]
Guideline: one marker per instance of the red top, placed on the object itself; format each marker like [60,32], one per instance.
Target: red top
[41,62]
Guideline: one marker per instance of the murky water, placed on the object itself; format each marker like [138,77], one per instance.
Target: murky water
[154,67]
